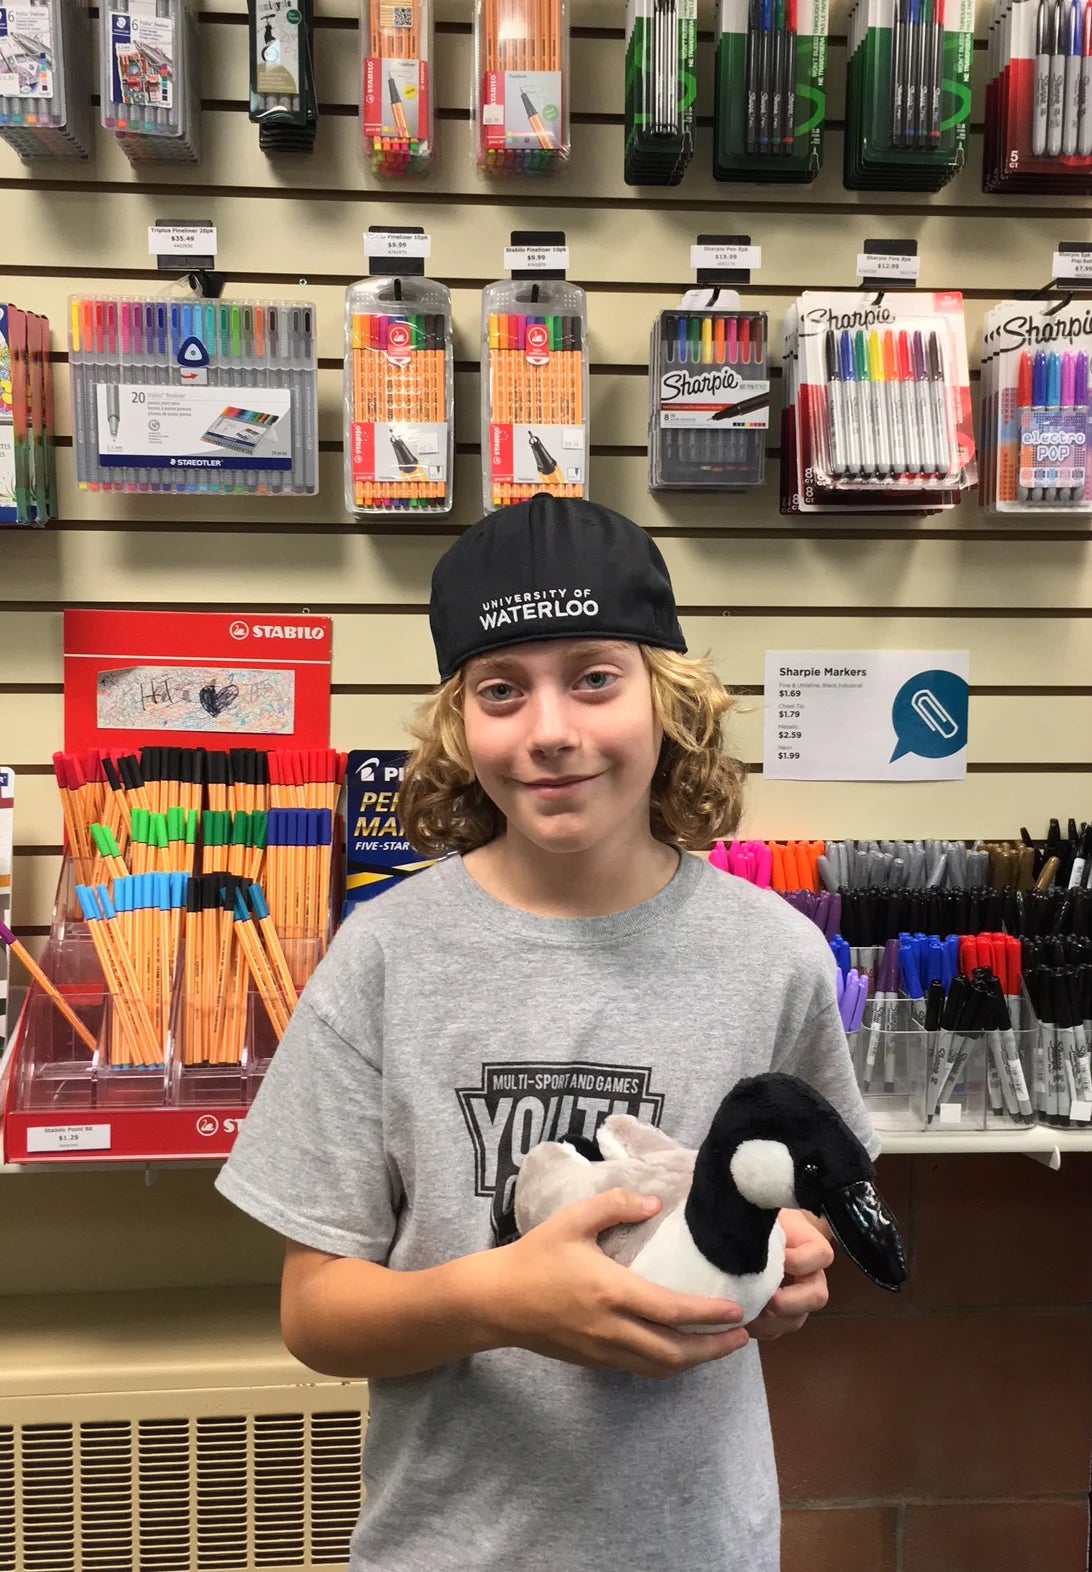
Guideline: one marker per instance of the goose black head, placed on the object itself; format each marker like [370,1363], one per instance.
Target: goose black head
[782,1144]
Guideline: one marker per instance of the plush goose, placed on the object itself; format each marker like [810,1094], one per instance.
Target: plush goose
[774,1142]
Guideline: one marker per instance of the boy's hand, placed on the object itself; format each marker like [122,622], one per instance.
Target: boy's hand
[804,1289]
[556,1293]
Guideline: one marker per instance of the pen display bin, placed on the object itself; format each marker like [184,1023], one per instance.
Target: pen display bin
[888,1055]
[56,1071]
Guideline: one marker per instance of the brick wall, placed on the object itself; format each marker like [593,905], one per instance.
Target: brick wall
[948,1428]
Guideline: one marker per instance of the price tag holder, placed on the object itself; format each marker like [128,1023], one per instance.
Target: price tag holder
[68,1138]
[536,259]
[1072,264]
[392,245]
[180,246]
[900,267]
[726,257]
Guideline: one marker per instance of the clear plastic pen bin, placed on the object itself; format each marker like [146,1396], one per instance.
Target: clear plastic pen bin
[58,1072]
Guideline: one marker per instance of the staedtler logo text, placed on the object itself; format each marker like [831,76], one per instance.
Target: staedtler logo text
[274,630]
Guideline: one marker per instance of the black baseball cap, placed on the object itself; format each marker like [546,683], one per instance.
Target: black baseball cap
[550,568]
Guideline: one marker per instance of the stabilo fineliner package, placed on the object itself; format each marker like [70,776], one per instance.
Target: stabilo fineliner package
[769,90]
[45,80]
[709,395]
[283,99]
[877,407]
[212,396]
[520,104]
[534,390]
[908,93]
[1035,407]
[399,381]
[1039,98]
[148,79]
[396,109]
[661,88]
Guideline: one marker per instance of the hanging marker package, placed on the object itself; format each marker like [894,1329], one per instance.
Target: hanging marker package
[534,390]
[770,95]
[709,395]
[661,40]
[398,393]
[196,396]
[521,85]
[28,484]
[283,101]
[1035,407]
[1039,98]
[148,79]
[45,79]
[877,413]
[908,93]
[396,117]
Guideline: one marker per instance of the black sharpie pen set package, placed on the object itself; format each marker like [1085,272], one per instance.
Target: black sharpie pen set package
[1039,98]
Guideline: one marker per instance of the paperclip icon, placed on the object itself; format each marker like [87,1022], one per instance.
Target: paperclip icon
[932,713]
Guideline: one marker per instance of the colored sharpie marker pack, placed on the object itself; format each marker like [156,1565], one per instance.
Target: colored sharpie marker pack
[1035,407]
[45,86]
[769,92]
[148,79]
[709,395]
[1039,98]
[877,413]
[908,93]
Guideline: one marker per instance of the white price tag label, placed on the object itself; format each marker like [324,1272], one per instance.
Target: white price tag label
[386,243]
[536,259]
[1068,266]
[183,240]
[950,1113]
[749,257]
[68,1138]
[1080,1113]
[903,267]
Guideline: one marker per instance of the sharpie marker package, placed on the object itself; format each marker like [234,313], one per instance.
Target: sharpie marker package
[283,99]
[399,435]
[148,79]
[908,93]
[396,117]
[534,390]
[45,80]
[709,395]
[209,396]
[1035,407]
[1039,97]
[770,93]
[521,86]
[877,414]
[661,86]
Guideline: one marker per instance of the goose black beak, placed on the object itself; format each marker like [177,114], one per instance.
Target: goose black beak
[867,1232]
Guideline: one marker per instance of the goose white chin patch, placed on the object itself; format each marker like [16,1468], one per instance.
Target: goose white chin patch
[763,1174]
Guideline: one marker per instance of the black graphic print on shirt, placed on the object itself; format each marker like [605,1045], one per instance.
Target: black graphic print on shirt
[518,1105]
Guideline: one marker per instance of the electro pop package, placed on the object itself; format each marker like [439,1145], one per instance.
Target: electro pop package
[398,396]
[534,390]
[908,93]
[1035,407]
[877,412]
[709,395]
[1039,98]
[770,90]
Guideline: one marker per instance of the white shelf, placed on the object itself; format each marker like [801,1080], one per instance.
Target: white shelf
[1042,1141]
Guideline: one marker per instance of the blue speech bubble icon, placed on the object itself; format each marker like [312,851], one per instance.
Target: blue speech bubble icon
[930,715]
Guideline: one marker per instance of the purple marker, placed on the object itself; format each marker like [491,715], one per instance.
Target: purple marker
[1079,404]
[922,411]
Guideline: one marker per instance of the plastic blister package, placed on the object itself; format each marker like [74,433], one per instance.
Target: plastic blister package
[398,396]
[396,110]
[45,79]
[661,86]
[283,97]
[534,390]
[148,79]
[770,90]
[521,85]
[1039,98]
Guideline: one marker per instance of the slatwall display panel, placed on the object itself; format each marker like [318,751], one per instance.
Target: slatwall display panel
[1016,593]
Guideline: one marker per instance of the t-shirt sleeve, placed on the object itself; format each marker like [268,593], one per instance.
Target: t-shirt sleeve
[309,1159]
[819,1054]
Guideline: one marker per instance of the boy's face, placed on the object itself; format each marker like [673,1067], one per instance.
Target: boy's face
[564,738]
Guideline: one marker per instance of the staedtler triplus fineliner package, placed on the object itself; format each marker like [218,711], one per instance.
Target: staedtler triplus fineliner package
[661,87]
[908,93]
[877,410]
[534,390]
[709,395]
[396,109]
[520,104]
[1035,407]
[149,57]
[769,90]
[45,79]
[399,434]
[1039,98]
[198,396]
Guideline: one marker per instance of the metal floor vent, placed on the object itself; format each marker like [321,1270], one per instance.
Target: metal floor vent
[193,1493]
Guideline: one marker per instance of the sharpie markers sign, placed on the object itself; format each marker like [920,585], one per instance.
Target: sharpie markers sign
[866,715]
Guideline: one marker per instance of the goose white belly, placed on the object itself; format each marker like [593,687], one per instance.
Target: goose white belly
[673,1260]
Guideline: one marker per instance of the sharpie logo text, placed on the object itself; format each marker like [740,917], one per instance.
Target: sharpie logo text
[678,384]
[1064,328]
[869,317]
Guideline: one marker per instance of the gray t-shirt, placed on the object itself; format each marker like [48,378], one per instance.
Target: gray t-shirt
[444,1035]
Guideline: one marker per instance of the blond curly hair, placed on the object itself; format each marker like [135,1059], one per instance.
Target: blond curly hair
[697,789]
